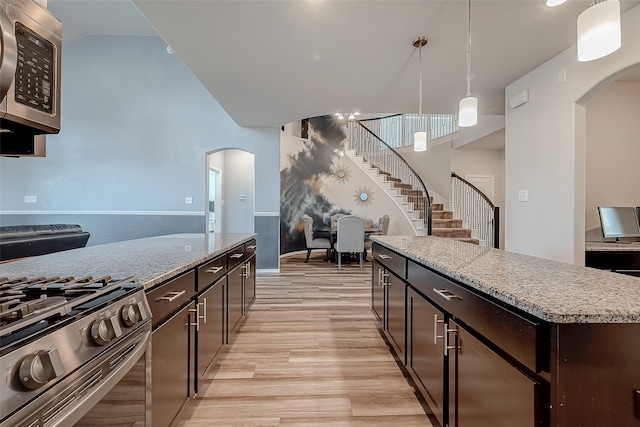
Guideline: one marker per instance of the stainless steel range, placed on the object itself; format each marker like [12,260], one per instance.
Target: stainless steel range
[66,344]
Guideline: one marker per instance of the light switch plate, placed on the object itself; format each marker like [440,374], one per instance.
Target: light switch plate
[31,199]
[523,195]
[188,200]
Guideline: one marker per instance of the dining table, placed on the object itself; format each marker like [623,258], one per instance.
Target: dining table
[331,233]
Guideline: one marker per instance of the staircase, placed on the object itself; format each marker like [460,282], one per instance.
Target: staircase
[443,223]
[445,226]
[382,162]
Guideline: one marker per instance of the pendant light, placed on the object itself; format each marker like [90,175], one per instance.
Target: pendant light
[599,30]
[420,137]
[468,107]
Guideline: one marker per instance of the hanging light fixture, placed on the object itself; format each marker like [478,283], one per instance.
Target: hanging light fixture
[599,30]
[468,107]
[554,3]
[420,137]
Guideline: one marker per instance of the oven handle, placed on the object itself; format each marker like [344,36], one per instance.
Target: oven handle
[73,414]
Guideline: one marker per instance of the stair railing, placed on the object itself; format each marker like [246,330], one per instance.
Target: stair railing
[389,162]
[476,211]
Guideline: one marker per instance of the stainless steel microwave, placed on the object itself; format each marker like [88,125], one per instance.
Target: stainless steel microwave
[30,52]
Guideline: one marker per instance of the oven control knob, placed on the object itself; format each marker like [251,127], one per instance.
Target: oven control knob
[39,368]
[105,330]
[130,314]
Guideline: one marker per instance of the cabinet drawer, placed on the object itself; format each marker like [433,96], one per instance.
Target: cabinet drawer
[211,271]
[518,336]
[167,298]
[391,260]
[235,256]
[250,248]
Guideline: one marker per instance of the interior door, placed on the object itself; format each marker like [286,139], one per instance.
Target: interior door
[213,207]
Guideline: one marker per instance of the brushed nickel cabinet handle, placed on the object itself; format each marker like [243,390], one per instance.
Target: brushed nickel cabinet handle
[383,256]
[204,310]
[446,294]
[236,255]
[435,328]
[214,270]
[171,296]
[252,247]
[448,347]
[197,312]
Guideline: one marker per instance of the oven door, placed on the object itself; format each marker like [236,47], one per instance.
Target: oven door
[111,390]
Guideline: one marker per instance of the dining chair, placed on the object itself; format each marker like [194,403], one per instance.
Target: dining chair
[350,238]
[383,224]
[311,242]
[334,220]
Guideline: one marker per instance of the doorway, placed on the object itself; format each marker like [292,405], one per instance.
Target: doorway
[214,217]
[230,184]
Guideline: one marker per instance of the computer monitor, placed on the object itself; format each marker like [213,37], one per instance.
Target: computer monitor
[619,221]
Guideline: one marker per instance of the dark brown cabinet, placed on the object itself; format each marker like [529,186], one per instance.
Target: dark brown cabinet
[396,314]
[249,283]
[426,361]
[171,343]
[377,291]
[475,362]
[194,315]
[484,389]
[235,299]
[210,338]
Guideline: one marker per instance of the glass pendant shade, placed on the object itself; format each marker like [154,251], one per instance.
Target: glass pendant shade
[599,30]
[554,3]
[468,112]
[420,141]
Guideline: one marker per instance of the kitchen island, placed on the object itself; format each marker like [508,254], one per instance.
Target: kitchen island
[501,339]
[199,288]
[151,260]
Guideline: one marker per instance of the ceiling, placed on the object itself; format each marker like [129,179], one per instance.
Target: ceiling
[272,62]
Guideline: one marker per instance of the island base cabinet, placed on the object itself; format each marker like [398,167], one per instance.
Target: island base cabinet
[487,391]
[235,299]
[210,337]
[249,283]
[425,353]
[597,375]
[396,314]
[170,349]
[377,291]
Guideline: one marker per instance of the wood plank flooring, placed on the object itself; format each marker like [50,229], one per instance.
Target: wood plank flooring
[309,354]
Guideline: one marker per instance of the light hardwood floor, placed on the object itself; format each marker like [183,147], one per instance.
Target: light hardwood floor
[309,354]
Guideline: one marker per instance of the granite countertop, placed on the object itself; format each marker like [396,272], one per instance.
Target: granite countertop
[550,290]
[612,246]
[152,260]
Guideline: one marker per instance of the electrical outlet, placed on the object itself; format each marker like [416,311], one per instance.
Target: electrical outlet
[31,199]
[523,195]
[188,200]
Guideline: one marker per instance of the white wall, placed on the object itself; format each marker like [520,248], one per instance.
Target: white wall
[545,148]
[238,192]
[613,150]
[433,166]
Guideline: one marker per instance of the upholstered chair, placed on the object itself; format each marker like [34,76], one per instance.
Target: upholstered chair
[383,224]
[318,242]
[350,238]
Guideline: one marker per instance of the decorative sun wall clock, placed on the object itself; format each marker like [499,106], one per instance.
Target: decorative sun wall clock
[363,196]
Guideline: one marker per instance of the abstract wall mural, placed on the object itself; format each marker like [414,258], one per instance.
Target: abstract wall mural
[302,178]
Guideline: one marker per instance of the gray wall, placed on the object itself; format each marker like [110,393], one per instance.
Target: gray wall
[136,127]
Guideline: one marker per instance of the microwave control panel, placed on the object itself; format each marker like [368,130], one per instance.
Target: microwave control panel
[34,79]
